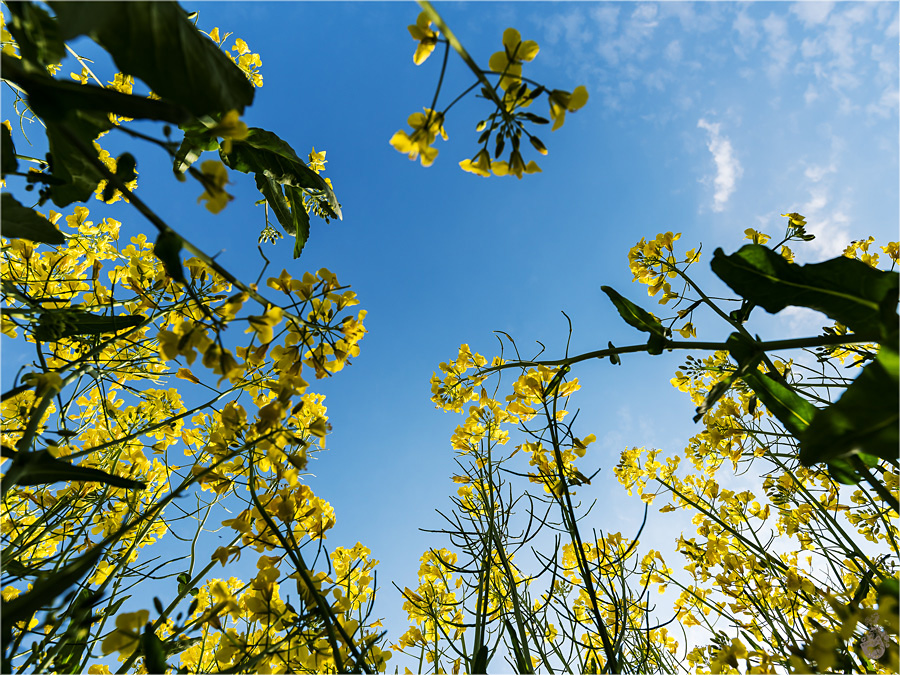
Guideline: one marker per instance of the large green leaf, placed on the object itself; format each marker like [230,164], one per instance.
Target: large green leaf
[58,324]
[36,33]
[39,468]
[20,222]
[8,161]
[863,420]
[640,319]
[53,99]
[262,152]
[300,219]
[156,42]
[791,409]
[70,133]
[45,590]
[168,250]
[71,155]
[154,651]
[194,144]
[847,290]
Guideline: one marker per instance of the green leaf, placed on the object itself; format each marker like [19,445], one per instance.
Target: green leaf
[46,590]
[125,172]
[554,383]
[36,33]
[55,99]
[73,642]
[75,115]
[20,222]
[69,142]
[746,356]
[41,468]
[845,469]
[300,220]
[262,152]
[195,143]
[274,195]
[70,133]
[154,651]
[847,290]
[888,588]
[8,161]
[114,607]
[168,250]
[791,409]
[17,569]
[863,420]
[479,664]
[58,324]
[156,42]
[640,319]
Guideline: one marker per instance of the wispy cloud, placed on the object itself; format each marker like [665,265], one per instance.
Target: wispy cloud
[728,168]
[812,13]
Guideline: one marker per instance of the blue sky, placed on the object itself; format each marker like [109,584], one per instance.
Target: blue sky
[704,119]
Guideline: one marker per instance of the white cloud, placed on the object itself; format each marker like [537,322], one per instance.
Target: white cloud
[889,101]
[778,44]
[673,51]
[816,172]
[606,16]
[810,94]
[827,220]
[747,33]
[812,13]
[571,28]
[628,40]
[728,168]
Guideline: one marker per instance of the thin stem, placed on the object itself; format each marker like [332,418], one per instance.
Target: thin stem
[772,345]
[464,55]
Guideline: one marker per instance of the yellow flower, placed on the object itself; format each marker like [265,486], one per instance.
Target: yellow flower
[9,45]
[230,128]
[688,330]
[563,101]
[216,176]
[509,61]
[126,637]
[480,164]
[516,166]
[426,37]
[317,160]
[426,128]
[249,63]
[796,220]
[756,237]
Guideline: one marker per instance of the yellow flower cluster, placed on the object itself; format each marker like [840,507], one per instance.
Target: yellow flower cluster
[654,262]
[426,127]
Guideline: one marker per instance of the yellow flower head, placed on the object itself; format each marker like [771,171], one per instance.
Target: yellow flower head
[563,101]
[509,61]
[216,177]
[515,167]
[317,160]
[126,637]
[756,237]
[230,129]
[426,128]
[425,35]
[480,164]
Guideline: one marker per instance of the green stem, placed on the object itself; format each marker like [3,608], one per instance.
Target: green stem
[772,345]
[464,55]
